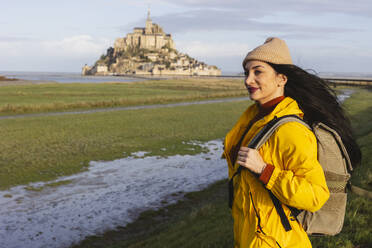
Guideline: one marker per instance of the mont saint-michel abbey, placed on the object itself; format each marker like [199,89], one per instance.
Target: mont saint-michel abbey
[148,51]
[151,37]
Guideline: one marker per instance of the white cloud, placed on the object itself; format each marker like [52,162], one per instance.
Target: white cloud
[82,45]
[332,58]
[203,20]
[69,53]
[200,49]
[74,46]
[309,7]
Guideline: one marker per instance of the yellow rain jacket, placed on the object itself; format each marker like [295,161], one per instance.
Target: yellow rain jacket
[297,180]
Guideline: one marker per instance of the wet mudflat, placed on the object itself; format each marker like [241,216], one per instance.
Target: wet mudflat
[110,194]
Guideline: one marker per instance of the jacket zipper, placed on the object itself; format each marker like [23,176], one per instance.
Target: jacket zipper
[259,219]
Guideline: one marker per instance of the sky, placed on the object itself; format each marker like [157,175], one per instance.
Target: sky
[62,36]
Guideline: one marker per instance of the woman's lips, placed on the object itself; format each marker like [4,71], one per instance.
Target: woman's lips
[252,90]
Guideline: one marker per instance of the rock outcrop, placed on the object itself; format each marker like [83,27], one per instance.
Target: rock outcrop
[148,51]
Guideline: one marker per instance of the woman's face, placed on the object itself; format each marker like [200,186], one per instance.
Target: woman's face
[263,82]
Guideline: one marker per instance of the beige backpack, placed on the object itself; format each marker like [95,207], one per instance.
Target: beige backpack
[335,161]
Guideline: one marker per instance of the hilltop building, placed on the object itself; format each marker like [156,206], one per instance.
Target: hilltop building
[148,51]
[151,37]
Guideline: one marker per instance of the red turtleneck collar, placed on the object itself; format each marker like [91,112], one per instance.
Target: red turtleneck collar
[271,103]
[269,106]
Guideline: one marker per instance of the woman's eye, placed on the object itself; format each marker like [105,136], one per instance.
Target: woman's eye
[246,73]
[257,72]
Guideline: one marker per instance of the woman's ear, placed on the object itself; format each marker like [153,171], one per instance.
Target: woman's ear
[282,79]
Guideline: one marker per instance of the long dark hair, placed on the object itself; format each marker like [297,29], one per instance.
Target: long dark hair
[319,104]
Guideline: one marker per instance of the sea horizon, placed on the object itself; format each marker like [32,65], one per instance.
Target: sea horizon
[76,77]
[64,77]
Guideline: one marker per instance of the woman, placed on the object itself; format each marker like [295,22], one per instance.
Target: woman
[287,163]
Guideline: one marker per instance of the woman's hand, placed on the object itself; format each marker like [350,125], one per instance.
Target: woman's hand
[251,159]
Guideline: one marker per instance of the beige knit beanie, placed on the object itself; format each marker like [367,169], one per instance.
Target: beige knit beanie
[274,50]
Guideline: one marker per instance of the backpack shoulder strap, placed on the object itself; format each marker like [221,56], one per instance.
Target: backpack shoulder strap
[360,192]
[274,124]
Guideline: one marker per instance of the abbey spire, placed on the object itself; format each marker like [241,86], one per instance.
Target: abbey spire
[148,15]
[148,23]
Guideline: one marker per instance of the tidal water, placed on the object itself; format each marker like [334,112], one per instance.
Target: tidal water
[66,77]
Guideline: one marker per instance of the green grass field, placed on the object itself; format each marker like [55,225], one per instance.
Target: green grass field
[20,99]
[203,219]
[45,148]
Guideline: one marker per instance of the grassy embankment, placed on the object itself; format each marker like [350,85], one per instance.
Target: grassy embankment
[202,219]
[20,99]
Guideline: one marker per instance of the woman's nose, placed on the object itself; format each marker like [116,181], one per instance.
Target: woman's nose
[248,80]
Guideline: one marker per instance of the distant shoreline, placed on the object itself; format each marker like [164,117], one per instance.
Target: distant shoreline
[350,81]
[3,78]
[11,82]
[24,78]
[59,77]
